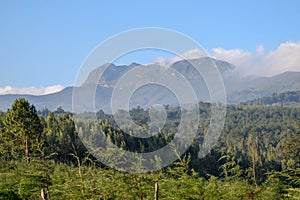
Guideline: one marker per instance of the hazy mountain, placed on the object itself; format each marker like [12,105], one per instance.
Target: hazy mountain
[252,88]
[237,89]
[286,99]
[110,76]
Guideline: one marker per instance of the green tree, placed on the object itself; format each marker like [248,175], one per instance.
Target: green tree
[2,114]
[254,154]
[22,129]
[51,135]
[291,151]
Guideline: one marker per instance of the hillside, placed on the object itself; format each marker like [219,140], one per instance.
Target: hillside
[286,98]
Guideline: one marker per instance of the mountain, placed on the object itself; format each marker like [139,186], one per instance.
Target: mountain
[237,89]
[110,76]
[51,101]
[252,88]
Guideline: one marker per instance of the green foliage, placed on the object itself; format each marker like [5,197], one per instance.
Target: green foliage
[286,98]
[21,130]
[25,180]
[256,157]
[291,151]
[9,195]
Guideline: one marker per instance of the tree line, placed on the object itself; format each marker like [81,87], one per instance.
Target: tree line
[286,98]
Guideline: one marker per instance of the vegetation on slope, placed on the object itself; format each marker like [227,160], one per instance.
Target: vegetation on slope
[257,156]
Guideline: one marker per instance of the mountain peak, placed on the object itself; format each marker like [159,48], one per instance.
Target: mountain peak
[114,72]
[109,76]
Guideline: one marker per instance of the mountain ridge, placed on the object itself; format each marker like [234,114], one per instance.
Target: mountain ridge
[237,89]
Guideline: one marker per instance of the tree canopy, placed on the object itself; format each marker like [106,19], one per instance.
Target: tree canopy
[256,157]
[21,131]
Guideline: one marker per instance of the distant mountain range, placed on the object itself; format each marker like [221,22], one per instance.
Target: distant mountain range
[238,89]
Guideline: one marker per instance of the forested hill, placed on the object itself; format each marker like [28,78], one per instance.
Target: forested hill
[257,156]
[286,98]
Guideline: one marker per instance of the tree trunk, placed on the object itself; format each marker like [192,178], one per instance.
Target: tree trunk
[156,191]
[81,179]
[254,172]
[45,195]
[26,150]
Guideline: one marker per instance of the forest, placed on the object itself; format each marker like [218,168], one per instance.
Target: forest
[42,155]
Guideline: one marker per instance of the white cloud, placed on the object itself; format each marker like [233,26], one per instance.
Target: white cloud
[31,90]
[286,57]
[238,57]
[191,54]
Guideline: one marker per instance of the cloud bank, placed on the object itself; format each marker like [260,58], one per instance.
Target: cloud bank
[31,90]
[286,57]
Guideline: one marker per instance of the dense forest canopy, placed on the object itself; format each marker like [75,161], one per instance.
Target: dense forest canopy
[256,157]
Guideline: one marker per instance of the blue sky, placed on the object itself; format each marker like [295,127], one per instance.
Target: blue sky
[43,43]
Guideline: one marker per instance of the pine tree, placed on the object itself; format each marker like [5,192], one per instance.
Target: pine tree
[22,129]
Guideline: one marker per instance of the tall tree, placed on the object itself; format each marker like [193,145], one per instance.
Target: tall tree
[51,134]
[22,129]
[254,155]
